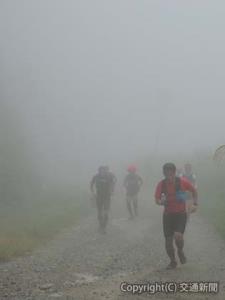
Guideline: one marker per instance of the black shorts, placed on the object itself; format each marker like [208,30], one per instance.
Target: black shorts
[103,202]
[174,222]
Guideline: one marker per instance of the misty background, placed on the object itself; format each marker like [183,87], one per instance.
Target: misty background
[85,83]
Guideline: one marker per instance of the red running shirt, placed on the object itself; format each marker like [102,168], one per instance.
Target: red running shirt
[174,206]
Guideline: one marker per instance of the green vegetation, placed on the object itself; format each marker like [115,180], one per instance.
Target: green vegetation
[28,222]
[24,227]
[34,207]
[211,182]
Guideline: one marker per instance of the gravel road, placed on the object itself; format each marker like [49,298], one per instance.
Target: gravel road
[81,263]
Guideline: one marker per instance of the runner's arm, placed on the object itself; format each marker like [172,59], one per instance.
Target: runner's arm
[158,192]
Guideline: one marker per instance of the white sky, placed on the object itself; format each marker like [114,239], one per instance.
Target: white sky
[105,80]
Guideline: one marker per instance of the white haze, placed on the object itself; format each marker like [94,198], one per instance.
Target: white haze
[91,82]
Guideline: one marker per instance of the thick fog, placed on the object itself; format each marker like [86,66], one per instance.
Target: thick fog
[100,82]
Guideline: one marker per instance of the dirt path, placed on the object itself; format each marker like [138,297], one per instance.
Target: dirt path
[83,264]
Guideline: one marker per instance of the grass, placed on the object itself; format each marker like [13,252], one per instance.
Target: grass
[212,205]
[211,183]
[26,226]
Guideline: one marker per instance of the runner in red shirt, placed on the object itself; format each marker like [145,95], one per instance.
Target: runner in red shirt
[171,192]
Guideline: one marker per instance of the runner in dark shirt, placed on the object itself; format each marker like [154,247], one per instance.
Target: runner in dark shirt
[102,186]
